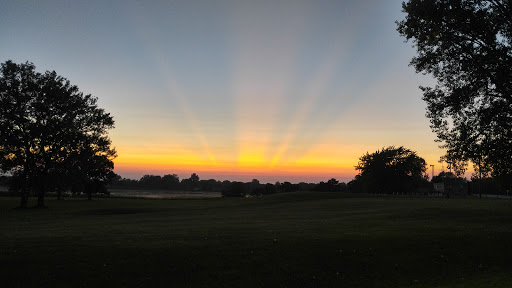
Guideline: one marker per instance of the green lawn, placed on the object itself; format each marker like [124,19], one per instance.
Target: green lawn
[283,240]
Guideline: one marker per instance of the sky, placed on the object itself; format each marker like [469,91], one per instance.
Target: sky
[234,90]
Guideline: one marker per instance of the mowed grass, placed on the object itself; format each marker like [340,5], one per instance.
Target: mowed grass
[302,239]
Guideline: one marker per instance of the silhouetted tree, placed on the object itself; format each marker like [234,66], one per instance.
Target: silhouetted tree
[390,170]
[170,181]
[255,188]
[93,186]
[255,182]
[226,184]
[486,186]
[441,177]
[303,186]
[151,181]
[333,184]
[4,179]
[16,183]
[270,189]
[210,185]
[194,181]
[466,46]
[288,187]
[194,178]
[118,181]
[278,186]
[93,170]
[321,187]
[342,186]
[59,182]
[48,126]
[235,189]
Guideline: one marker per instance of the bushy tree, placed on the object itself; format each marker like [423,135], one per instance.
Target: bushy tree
[288,187]
[442,177]
[210,185]
[466,46]
[49,128]
[234,189]
[331,185]
[191,183]
[390,170]
[194,182]
[170,181]
[152,181]
[270,189]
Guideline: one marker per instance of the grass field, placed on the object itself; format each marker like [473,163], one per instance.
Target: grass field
[284,240]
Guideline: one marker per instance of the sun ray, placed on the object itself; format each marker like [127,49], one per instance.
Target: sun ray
[172,85]
[337,55]
[260,79]
[313,92]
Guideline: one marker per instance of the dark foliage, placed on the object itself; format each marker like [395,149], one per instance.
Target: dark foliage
[234,189]
[192,183]
[270,189]
[288,187]
[4,180]
[227,188]
[210,185]
[331,185]
[488,186]
[51,134]
[390,170]
[466,46]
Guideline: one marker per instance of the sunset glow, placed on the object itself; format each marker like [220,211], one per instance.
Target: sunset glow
[273,90]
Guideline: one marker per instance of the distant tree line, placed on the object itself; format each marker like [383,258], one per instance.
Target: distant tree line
[228,188]
[391,170]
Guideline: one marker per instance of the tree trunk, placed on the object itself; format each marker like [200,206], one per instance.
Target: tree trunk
[25,189]
[480,185]
[40,199]
[40,189]
[59,193]
[24,199]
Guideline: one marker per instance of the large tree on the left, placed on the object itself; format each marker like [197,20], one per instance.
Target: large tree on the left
[50,130]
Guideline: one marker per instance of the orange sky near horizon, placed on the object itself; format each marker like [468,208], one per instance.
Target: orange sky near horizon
[235,90]
[319,162]
[185,162]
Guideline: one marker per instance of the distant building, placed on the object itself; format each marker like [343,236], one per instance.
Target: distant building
[455,186]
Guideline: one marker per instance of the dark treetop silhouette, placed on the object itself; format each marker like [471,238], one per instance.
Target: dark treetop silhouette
[466,46]
[390,170]
[51,134]
[228,188]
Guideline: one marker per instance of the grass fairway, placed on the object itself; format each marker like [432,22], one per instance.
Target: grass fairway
[283,240]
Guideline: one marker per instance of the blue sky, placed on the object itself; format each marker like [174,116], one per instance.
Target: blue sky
[272,90]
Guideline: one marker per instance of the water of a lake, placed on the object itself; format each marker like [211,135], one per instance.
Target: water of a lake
[162,194]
